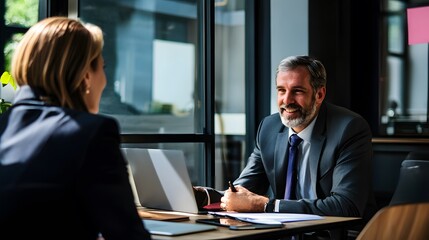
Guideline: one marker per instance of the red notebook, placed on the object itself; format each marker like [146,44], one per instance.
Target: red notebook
[213,207]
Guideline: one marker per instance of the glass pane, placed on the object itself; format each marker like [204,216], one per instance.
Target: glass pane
[151,54]
[395,5]
[418,82]
[192,152]
[9,49]
[230,124]
[396,34]
[7,93]
[22,12]
[393,101]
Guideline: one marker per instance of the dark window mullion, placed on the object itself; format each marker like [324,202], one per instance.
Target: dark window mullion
[206,32]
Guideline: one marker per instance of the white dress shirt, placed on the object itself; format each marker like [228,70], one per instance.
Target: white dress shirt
[303,188]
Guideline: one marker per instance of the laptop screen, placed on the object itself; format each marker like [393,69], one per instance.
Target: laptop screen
[161,179]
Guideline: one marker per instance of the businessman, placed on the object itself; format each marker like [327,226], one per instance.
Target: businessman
[332,175]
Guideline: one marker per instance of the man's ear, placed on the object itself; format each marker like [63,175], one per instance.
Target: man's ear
[320,95]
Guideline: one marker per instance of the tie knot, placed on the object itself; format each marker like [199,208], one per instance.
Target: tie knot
[294,140]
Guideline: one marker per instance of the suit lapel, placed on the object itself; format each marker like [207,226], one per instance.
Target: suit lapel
[318,139]
[280,162]
[314,158]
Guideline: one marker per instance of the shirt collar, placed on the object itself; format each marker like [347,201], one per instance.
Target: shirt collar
[305,134]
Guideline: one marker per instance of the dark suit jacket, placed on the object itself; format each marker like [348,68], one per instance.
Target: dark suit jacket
[340,164]
[62,175]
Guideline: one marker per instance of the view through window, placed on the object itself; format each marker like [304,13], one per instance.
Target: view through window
[404,76]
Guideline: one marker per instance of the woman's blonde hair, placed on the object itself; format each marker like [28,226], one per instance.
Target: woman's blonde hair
[53,57]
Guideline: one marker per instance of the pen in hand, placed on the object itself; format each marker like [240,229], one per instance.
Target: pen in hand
[232,187]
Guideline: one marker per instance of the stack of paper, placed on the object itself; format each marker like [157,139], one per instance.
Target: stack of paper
[268,218]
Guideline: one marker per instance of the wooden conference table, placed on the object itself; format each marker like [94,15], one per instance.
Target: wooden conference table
[290,229]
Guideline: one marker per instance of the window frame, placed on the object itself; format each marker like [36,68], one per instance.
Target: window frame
[257,69]
[205,12]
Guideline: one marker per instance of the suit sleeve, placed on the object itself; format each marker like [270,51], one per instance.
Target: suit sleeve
[254,176]
[107,194]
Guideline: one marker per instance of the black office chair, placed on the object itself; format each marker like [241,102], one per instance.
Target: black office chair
[412,185]
[418,155]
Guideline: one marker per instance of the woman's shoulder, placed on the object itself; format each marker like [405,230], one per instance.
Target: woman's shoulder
[92,120]
[83,125]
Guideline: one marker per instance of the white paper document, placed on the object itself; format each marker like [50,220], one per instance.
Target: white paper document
[268,218]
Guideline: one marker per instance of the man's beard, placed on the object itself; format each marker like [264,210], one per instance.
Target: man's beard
[305,117]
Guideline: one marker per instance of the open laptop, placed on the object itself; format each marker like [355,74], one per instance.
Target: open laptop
[160,179]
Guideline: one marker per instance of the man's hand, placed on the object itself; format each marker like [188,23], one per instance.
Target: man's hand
[242,201]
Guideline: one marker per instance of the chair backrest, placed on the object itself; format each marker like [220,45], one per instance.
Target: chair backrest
[398,222]
[418,155]
[411,187]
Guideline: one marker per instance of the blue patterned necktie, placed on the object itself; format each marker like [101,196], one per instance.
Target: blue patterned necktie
[291,176]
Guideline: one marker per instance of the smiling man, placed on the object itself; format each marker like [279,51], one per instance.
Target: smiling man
[334,151]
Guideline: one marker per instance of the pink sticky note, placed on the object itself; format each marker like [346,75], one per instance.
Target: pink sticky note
[418,25]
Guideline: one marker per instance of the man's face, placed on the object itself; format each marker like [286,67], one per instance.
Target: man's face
[298,103]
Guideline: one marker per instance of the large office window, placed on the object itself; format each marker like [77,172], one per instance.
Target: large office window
[404,75]
[175,71]
[153,53]
[171,65]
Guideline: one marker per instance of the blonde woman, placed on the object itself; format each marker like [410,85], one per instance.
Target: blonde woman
[62,174]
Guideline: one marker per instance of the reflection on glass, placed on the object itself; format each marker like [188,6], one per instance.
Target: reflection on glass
[151,57]
[396,33]
[21,12]
[230,124]
[395,5]
[232,222]
[9,48]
